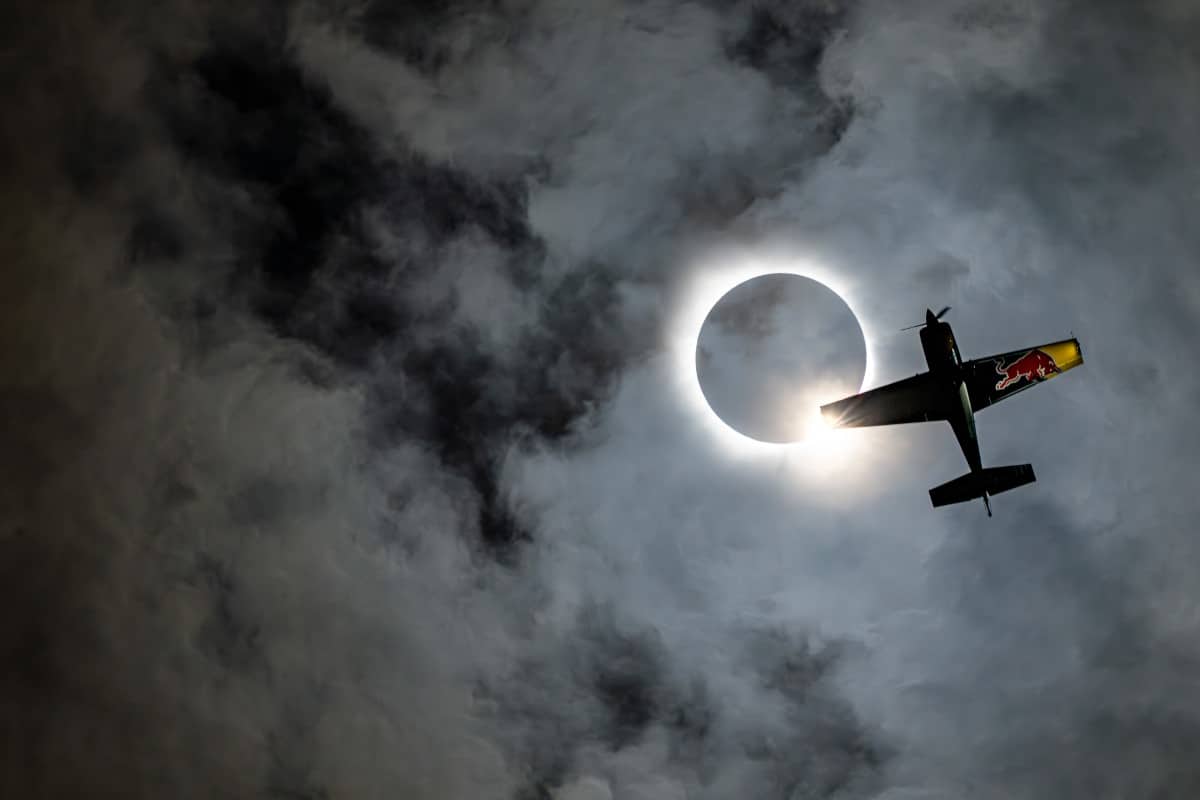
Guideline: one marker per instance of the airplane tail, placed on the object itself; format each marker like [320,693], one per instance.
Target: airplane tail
[986,482]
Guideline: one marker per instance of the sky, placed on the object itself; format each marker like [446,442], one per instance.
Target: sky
[348,447]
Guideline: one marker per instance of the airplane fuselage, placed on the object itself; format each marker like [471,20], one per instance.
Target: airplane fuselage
[945,366]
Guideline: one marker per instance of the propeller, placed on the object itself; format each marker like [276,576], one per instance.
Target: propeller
[936,316]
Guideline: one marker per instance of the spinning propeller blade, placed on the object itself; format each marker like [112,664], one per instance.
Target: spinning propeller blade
[938,315]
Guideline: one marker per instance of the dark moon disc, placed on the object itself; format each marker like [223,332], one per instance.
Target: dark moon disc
[773,349]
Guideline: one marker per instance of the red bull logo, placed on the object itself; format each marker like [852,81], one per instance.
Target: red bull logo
[1034,365]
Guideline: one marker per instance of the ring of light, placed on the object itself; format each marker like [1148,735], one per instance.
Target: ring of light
[708,287]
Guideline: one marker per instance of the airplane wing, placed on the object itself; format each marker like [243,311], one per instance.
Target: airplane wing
[989,380]
[913,399]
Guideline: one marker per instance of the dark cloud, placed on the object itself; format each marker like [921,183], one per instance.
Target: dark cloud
[787,40]
[343,452]
[615,687]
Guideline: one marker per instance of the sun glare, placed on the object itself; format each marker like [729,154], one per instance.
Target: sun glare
[820,442]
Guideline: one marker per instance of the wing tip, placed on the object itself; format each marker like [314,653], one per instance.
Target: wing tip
[834,414]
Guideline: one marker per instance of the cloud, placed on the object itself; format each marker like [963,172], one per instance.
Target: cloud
[343,452]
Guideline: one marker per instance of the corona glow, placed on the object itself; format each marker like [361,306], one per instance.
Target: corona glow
[712,280]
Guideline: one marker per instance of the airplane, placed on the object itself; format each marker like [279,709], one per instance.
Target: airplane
[953,390]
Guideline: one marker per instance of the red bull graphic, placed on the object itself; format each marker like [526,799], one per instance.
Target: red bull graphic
[1035,365]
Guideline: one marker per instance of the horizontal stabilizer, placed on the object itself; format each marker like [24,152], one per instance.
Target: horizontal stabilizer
[992,480]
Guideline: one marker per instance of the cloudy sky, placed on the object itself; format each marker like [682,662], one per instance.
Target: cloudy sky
[345,448]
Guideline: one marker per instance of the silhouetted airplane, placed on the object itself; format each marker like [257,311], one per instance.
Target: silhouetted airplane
[953,390]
